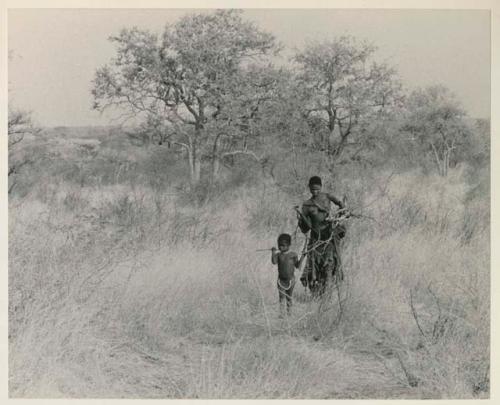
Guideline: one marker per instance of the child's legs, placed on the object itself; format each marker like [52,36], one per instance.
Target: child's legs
[281,294]
[285,290]
[282,297]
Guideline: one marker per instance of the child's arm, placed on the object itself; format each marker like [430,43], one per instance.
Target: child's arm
[274,255]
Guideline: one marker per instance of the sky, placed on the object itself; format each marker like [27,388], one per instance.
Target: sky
[55,52]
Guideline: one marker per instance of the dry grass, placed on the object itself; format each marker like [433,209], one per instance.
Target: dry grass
[126,291]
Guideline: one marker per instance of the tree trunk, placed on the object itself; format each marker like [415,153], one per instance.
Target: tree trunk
[445,164]
[440,161]
[190,163]
[215,168]
[196,170]
[449,151]
[215,158]
[194,166]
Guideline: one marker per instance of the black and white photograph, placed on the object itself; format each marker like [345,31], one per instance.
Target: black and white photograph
[248,203]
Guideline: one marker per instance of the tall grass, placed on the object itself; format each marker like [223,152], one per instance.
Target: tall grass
[134,290]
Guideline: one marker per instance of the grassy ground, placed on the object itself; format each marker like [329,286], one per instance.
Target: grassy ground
[131,290]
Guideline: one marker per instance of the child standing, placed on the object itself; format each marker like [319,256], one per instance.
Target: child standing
[287,262]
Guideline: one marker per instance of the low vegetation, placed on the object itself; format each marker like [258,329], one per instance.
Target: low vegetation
[125,288]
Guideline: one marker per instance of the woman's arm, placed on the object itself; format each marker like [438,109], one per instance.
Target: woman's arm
[304,222]
[335,200]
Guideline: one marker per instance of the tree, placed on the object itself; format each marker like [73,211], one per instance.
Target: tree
[241,127]
[436,121]
[193,81]
[344,93]
[19,124]
[480,150]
